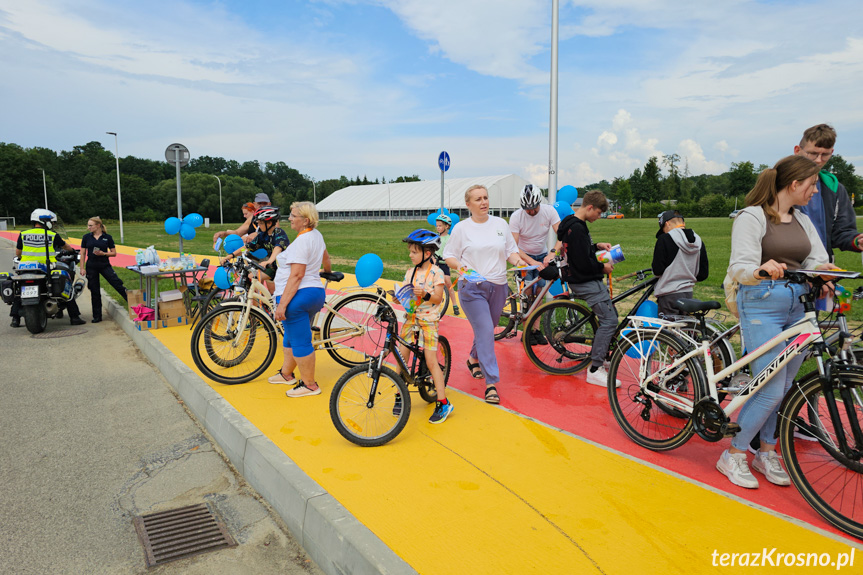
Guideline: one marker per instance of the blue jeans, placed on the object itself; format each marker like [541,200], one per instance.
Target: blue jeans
[529,275]
[299,317]
[766,310]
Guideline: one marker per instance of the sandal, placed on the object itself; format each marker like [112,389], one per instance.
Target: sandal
[491,395]
[475,366]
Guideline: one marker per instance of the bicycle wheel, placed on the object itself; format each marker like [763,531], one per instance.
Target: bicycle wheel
[357,333]
[424,380]
[508,319]
[558,335]
[443,305]
[228,353]
[829,480]
[369,420]
[657,420]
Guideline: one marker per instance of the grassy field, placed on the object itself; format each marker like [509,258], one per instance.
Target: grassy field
[347,241]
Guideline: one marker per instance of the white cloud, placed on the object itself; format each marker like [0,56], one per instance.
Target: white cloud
[691,153]
[606,140]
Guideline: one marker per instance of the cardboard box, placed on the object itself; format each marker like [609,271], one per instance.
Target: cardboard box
[136,297]
[162,323]
[171,309]
[170,295]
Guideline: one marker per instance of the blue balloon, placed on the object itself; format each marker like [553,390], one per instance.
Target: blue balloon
[232,243]
[567,195]
[172,225]
[644,348]
[455,219]
[563,209]
[432,218]
[222,278]
[556,288]
[194,220]
[259,253]
[369,269]
[187,232]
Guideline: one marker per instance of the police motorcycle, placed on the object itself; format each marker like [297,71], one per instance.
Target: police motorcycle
[44,287]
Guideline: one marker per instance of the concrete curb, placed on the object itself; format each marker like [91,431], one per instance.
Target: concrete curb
[334,538]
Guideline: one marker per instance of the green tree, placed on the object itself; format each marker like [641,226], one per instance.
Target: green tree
[844,171]
[650,180]
[741,178]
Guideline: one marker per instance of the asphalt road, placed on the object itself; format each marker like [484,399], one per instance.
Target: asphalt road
[92,435]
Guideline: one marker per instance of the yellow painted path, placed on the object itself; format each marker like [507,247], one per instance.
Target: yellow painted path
[490,491]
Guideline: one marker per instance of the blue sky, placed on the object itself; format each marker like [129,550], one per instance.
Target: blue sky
[380,87]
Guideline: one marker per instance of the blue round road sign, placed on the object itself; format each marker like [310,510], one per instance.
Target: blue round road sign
[443,161]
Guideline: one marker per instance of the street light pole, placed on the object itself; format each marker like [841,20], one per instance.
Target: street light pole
[221,218]
[119,198]
[314,192]
[44,188]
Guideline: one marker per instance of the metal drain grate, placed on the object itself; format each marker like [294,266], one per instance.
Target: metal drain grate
[171,535]
[59,333]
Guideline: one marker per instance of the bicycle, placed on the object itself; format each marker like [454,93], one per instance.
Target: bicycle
[370,404]
[826,404]
[237,341]
[558,334]
[518,305]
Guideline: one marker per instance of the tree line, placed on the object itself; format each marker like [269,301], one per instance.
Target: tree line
[82,183]
[662,182]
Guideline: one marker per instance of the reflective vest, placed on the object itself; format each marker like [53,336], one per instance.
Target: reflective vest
[33,249]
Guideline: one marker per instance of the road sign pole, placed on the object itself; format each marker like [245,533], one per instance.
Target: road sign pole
[179,193]
[441,192]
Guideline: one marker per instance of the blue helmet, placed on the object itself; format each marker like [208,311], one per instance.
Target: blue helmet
[423,238]
[445,219]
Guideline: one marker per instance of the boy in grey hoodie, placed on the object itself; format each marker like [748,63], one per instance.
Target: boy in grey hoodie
[679,260]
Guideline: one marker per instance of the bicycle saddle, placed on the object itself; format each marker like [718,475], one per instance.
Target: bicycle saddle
[333,276]
[696,305]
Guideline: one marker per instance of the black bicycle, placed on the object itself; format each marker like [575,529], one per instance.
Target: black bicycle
[370,404]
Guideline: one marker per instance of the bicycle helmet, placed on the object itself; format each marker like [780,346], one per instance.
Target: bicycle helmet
[445,219]
[423,238]
[531,197]
[266,214]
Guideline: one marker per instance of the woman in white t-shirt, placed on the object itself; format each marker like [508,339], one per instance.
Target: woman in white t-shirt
[482,243]
[299,296]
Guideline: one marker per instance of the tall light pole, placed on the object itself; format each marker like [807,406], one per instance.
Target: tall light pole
[221,218]
[119,198]
[44,188]
[314,192]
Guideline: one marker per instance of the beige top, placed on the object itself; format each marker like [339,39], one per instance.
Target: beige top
[787,243]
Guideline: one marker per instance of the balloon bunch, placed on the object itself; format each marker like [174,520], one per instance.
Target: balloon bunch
[185,227]
[566,196]
[432,218]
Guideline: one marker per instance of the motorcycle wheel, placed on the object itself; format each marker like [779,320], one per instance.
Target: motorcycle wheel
[35,318]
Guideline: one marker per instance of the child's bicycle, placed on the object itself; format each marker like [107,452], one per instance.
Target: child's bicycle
[665,398]
[370,404]
[237,341]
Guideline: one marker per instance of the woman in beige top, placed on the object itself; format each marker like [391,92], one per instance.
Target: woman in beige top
[770,235]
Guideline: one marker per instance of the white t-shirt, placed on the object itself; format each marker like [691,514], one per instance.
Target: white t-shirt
[533,230]
[482,247]
[308,248]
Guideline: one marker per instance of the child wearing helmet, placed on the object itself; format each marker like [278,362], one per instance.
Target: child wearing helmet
[270,237]
[428,284]
[443,223]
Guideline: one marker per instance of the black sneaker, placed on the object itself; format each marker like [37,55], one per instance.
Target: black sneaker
[77,321]
[397,406]
[536,338]
[801,433]
[16,322]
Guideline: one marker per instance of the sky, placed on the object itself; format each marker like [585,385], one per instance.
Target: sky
[380,87]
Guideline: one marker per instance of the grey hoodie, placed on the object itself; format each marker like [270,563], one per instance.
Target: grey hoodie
[682,274]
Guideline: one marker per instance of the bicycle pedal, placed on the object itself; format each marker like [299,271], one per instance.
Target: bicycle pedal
[729,429]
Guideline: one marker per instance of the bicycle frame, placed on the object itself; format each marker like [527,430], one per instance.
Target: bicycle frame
[804,333]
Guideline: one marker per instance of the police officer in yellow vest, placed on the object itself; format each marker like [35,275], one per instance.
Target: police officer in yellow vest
[31,248]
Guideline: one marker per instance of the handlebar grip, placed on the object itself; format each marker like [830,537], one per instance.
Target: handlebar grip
[763,274]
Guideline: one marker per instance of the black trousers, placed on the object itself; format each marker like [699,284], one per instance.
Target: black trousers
[93,272]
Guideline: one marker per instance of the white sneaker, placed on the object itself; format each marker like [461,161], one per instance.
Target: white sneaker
[736,469]
[600,378]
[300,390]
[279,378]
[767,462]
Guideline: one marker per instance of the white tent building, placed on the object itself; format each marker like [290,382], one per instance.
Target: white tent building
[416,200]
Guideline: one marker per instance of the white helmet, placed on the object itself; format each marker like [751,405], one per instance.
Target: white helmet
[43,216]
[531,197]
